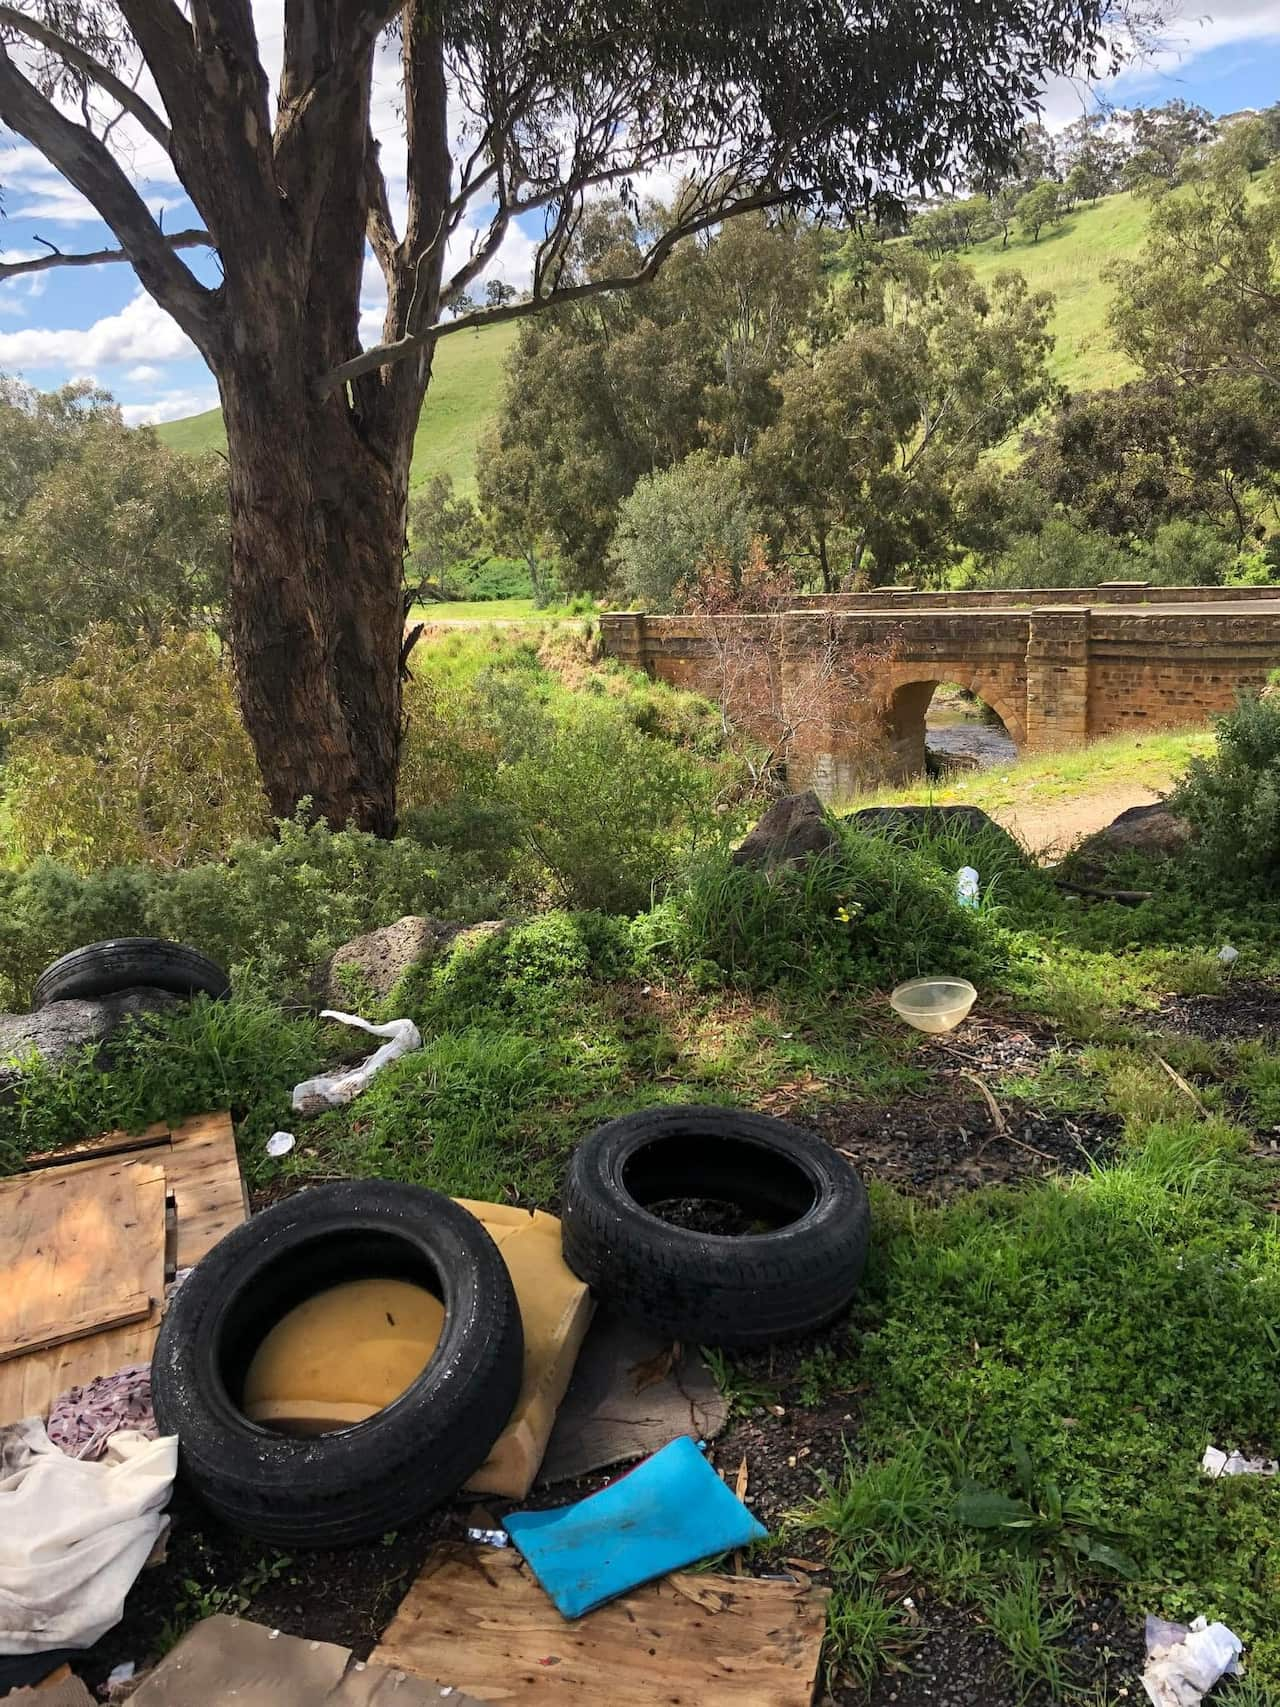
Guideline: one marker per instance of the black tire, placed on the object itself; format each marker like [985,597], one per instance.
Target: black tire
[709,1288]
[129,963]
[358,1482]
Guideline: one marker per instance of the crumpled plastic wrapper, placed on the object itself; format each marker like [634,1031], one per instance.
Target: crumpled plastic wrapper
[1184,1663]
[334,1090]
[1217,1463]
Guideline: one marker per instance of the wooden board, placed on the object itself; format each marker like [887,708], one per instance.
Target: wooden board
[477,1616]
[79,1253]
[232,1662]
[203,1175]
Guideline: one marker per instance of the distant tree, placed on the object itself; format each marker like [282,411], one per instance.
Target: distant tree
[39,430]
[1203,297]
[1091,157]
[507,481]
[1248,144]
[1037,157]
[497,292]
[879,426]
[1161,138]
[1075,187]
[1131,460]
[445,533]
[674,522]
[462,304]
[118,530]
[1039,207]
[626,385]
[1061,554]
[1004,206]
[1186,554]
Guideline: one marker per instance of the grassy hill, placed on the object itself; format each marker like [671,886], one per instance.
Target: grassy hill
[1069,260]
[462,400]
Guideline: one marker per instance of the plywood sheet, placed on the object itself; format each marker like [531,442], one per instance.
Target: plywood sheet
[477,1616]
[203,1176]
[79,1253]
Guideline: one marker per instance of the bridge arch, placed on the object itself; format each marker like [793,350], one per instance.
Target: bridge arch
[908,690]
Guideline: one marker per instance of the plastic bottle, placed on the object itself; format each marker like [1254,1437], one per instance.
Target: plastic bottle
[967,886]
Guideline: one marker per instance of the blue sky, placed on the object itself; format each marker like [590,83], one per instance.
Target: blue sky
[97,323]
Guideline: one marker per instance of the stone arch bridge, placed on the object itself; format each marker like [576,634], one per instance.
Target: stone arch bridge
[1059,667]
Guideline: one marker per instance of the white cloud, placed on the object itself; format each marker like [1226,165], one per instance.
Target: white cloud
[143,375]
[171,406]
[140,331]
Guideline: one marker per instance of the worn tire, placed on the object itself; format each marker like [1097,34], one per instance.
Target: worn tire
[358,1482]
[716,1289]
[129,963]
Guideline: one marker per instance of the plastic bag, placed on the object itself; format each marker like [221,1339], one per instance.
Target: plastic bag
[333,1090]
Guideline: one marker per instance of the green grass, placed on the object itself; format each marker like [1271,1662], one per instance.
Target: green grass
[1041,779]
[479,610]
[1069,260]
[462,399]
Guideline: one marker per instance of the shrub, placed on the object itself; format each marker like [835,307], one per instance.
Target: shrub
[135,753]
[872,914]
[274,909]
[678,518]
[1232,797]
[603,814]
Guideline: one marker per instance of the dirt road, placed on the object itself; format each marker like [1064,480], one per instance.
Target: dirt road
[1051,828]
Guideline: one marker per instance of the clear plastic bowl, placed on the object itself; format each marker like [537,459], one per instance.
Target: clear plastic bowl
[933,1004]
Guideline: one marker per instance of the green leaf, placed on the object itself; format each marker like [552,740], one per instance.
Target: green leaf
[985,1509]
[1022,1467]
[1100,1553]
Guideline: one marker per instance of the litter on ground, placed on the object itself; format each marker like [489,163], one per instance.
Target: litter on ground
[333,1090]
[73,1534]
[1184,1662]
[669,1512]
[1217,1463]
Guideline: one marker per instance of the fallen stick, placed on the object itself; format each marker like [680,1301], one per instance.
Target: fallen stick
[1130,897]
[997,1119]
[1182,1085]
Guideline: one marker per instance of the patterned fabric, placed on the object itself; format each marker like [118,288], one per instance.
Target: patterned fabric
[83,1420]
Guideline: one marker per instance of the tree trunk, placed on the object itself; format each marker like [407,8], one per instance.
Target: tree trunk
[317,527]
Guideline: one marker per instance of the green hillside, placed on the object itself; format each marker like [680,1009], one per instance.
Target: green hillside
[461,401]
[1069,260]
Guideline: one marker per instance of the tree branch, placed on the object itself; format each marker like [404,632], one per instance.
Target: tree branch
[88,66]
[99,257]
[89,166]
[384,355]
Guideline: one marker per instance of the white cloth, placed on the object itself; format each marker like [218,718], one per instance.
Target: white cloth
[73,1534]
[332,1090]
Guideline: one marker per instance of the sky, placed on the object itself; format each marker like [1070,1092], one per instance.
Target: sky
[97,323]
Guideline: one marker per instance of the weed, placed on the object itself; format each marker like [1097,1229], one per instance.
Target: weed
[1029,1631]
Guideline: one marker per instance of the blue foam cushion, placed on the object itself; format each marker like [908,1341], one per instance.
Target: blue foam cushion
[669,1512]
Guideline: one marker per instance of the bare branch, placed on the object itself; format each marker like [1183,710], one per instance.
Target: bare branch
[89,166]
[98,258]
[89,67]
[384,355]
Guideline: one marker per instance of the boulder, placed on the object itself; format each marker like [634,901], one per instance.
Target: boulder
[911,823]
[1148,830]
[378,960]
[62,1029]
[793,830]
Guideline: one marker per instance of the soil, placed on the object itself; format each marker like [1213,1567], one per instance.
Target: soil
[937,1147]
[1052,829]
[956,1661]
[1248,1011]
